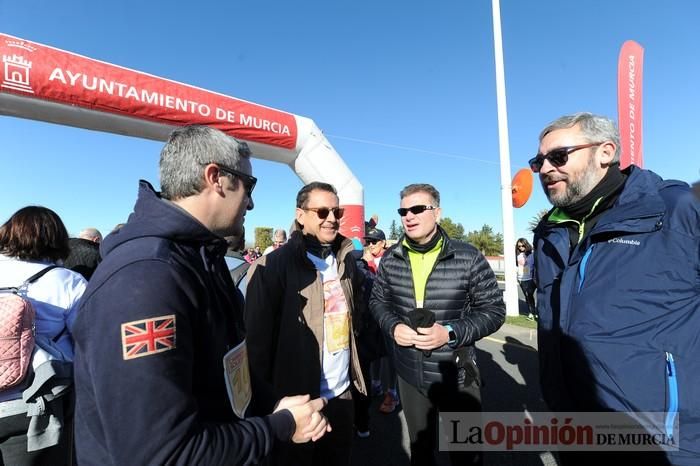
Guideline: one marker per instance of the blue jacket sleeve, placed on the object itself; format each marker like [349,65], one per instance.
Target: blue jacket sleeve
[143,410]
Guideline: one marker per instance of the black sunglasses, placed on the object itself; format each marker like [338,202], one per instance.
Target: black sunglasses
[557,157]
[323,212]
[415,210]
[247,180]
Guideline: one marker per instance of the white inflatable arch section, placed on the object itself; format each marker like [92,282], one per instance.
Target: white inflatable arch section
[43,83]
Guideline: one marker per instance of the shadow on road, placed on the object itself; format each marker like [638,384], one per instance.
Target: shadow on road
[501,392]
[388,440]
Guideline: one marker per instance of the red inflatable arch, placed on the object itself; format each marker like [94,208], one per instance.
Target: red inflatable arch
[43,83]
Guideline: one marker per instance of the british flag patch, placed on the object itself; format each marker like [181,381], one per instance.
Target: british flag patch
[148,336]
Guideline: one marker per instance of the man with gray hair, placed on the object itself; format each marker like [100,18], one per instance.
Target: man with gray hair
[617,271]
[91,234]
[161,317]
[278,240]
[434,297]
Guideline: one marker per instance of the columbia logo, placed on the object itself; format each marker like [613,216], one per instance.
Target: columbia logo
[631,242]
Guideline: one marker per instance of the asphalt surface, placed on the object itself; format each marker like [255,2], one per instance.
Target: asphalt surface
[508,363]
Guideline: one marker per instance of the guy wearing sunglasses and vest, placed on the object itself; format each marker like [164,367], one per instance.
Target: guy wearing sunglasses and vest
[302,303]
[618,275]
[434,297]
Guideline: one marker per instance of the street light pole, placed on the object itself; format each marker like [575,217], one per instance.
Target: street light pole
[511,293]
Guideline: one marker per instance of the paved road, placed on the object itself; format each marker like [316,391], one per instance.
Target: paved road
[508,361]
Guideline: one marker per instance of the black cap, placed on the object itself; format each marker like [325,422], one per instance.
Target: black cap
[375,234]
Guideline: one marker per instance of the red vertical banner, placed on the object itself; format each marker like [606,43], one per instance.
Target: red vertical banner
[629,103]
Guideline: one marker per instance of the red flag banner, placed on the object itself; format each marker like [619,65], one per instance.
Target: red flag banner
[34,71]
[629,103]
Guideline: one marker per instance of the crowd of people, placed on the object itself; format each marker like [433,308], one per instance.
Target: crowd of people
[132,330]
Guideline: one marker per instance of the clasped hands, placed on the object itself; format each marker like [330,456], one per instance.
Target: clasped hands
[422,338]
[311,424]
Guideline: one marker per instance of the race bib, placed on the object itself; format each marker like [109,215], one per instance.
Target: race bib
[336,318]
[337,331]
[237,375]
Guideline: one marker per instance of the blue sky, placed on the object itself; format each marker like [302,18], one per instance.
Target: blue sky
[414,78]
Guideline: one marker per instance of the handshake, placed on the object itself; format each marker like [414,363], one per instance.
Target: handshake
[421,332]
[310,423]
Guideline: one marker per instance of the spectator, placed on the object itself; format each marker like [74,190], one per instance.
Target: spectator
[250,256]
[84,256]
[616,267]
[91,234]
[525,261]
[303,302]
[278,240]
[33,240]
[370,347]
[376,242]
[160,316]
[434,297]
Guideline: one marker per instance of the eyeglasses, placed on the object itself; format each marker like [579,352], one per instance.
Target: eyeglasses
[415,210]
[323,212]
[373,241]
[557,157]
[247,180]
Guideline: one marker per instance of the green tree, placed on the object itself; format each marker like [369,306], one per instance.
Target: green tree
[393,230]
[453,230]
[486,241]
[534,221]
[263,237]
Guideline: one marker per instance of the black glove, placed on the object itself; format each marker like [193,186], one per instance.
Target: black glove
[423,318]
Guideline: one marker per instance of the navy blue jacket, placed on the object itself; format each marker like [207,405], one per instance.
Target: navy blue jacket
[620,314]
[164,403]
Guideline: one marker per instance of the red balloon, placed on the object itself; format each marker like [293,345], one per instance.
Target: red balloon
[521,187]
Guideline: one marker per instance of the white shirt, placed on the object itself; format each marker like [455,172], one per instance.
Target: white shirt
[335,367]
[525,266]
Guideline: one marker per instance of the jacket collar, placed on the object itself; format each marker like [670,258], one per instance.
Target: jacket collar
[448,248]
[341,247]
[638,200]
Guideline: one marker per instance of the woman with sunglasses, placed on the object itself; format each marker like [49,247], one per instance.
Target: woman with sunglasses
[525,261]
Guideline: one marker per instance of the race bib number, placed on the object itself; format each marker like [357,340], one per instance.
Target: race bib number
[237,375]
[335,317]
[337,331]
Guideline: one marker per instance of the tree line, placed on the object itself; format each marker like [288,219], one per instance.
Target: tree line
[485,240]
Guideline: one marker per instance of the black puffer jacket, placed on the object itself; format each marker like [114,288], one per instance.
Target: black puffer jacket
[461,290]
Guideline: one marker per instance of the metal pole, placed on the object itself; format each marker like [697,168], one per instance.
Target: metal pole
[511,293]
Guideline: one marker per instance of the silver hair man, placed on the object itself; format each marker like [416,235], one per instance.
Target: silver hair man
[191,148]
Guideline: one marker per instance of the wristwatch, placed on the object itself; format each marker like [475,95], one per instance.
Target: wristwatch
[451,335]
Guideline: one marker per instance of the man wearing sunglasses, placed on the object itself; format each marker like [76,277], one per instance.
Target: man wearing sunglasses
[435,297]
[160,316]
[618,272]
[303,302]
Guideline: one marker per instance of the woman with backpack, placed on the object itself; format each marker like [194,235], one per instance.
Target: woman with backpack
[525,261]
[33,244]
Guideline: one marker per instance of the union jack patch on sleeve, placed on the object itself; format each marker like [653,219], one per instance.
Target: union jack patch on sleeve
[148,336]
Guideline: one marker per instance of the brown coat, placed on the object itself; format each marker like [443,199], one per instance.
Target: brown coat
[284,321]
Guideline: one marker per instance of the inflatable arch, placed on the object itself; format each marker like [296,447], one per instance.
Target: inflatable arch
[39,82]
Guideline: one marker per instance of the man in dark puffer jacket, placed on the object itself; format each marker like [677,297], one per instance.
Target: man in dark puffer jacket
[428,277]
